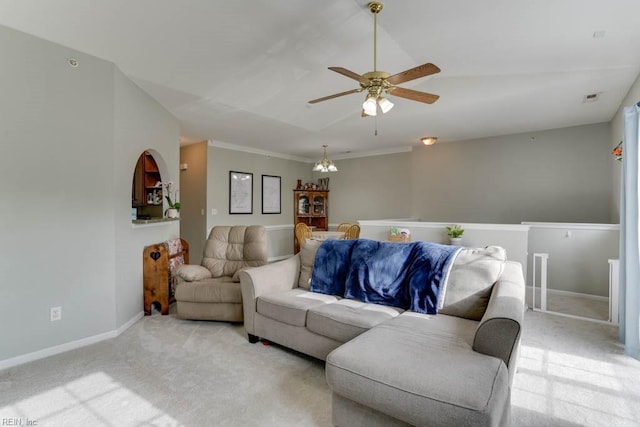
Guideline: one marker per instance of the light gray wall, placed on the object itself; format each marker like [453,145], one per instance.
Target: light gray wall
[372,187]
[578,255]
[617,131]
[140,123]
[56,163]
[221,161]
[67,156]
[564,175]
[193,197]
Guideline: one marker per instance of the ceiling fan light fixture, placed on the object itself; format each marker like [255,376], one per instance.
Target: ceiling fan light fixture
[324,164]
[429,140]
[385,104]
[369,106]
[377,82]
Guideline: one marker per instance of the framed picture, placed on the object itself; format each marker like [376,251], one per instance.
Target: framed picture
[270,194]
[240,192]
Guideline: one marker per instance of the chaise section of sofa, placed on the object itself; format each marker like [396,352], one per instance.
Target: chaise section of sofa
[428,370]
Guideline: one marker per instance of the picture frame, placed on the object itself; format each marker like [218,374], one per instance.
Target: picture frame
[271,194]
[240,192]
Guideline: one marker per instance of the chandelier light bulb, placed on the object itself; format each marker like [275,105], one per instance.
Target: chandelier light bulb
[324,164]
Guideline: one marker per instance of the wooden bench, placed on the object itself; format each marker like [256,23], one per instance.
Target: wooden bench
[158,261]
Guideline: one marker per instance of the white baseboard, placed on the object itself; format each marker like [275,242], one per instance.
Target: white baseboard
[568,293]
[130,323]
[62,348]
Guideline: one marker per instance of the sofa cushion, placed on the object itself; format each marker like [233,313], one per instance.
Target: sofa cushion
[217,289]
[291,306]
[421,369]
[471,279]
[347,318]
[307,259]
[192,273]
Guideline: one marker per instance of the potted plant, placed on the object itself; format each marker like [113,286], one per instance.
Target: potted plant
[455,233]
[174,206]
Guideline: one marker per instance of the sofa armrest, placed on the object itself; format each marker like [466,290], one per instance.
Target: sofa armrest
[276,277]
[498,333]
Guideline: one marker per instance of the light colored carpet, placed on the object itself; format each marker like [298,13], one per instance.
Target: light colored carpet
[574,305]
[168,372]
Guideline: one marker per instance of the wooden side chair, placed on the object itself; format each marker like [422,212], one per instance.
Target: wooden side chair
[343,226]
[302,232]
[352,232]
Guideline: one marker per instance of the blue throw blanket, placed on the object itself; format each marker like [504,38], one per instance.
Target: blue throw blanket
[404,275]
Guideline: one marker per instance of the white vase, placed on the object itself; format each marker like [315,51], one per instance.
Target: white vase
[456,241]
[173,213]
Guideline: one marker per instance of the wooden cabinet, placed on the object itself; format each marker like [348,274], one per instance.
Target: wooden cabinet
[312,208]
[146,191]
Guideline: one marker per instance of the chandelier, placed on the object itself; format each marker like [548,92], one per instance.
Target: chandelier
[325,165]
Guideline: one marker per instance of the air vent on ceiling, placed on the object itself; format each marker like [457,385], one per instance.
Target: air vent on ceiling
[591,97]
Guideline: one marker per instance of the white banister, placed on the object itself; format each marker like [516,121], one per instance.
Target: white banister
[543,280]
[614,280]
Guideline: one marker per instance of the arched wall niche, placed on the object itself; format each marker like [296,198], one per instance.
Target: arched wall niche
[147,194]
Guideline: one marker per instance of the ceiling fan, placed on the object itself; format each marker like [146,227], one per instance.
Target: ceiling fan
[376,83]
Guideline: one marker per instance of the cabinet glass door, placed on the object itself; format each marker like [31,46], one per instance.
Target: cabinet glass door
[303,205]
[318,205]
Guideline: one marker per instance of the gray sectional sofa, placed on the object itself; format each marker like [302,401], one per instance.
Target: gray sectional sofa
[387,366]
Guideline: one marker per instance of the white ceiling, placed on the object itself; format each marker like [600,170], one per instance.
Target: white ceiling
[242,71]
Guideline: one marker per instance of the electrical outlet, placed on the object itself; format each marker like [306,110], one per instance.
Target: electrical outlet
[214,211]
[56,313]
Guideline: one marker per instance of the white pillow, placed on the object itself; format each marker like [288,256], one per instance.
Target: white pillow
[192,273]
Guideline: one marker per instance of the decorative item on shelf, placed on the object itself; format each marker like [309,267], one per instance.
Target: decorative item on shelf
[299,185]
[323,184]
[174,206]
[617,151]
[324,164]
[455,233]
[399,235]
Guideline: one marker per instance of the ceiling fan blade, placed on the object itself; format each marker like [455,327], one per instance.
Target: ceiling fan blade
[414,73]
[335,95]
[350,74]
[414,95]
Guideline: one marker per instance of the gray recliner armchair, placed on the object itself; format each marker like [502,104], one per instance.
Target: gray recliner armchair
[211,291]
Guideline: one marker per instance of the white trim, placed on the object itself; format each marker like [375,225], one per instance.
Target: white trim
[278,227]
[466,226]
[386,152]
[573,226]
[63,348]
[251,150]
[234,147]
[571,316]
[130,323]
[572,294]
